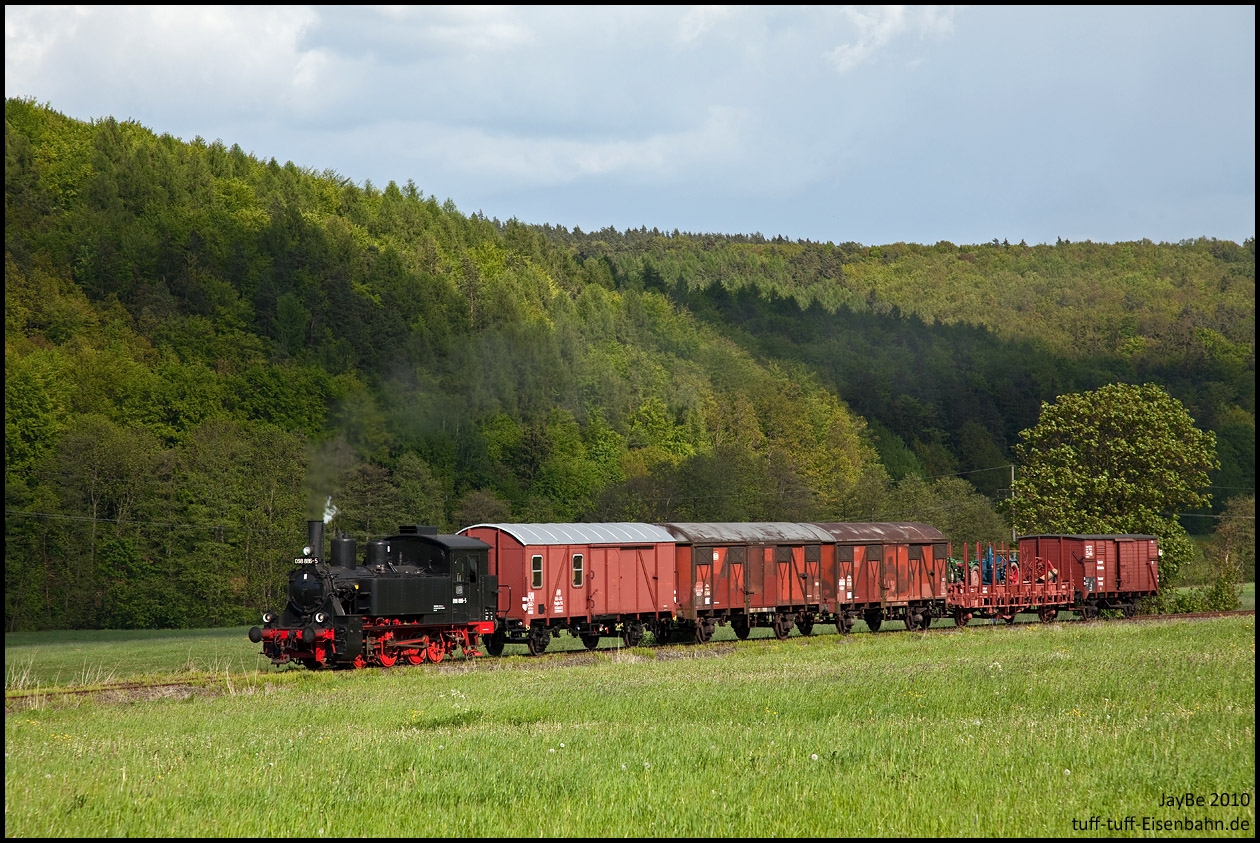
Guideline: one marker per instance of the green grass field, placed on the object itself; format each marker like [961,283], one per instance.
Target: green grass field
[1006,731]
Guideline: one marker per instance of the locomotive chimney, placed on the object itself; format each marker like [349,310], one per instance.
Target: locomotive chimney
[315,539]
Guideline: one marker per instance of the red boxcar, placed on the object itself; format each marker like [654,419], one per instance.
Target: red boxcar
[766,574]
[590,579]
[1105,571]
[886,571]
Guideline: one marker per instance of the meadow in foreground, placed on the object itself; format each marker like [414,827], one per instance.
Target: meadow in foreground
[1009,731]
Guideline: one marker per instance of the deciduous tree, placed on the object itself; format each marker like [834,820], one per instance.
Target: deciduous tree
[1119,459]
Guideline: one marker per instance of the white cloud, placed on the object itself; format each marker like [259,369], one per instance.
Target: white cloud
[249,55]
[878,26]
[791,119]
[491,158]
[700,19]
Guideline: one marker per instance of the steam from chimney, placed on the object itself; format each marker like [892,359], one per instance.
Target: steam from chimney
[329,510]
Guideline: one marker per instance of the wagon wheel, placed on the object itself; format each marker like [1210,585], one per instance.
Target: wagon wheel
[925,620]
[539,638]
[437,649]
[961,618]
[1130,610]
[1089,612]
[661,632]
[741,627]
[1047,614]
[1008,618]
[782,626]
[844,624]
[704,631]
[874,619]
[590,640]
[805,623]
[632,634]
[494,643]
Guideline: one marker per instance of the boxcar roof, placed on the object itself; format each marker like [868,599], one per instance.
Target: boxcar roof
[882,531]
[621,532]
[1091,537]
[755,532]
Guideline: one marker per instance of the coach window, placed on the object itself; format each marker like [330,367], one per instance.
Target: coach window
[916,553]
[577,570]
[844,553]
[536,579]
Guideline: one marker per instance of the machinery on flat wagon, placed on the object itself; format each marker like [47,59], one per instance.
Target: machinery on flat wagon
[994,584]
[415,596]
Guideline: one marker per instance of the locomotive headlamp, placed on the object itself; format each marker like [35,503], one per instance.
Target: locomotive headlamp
[320,617]
[306,551]
[268,617]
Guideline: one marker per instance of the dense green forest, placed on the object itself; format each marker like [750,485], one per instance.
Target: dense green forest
[204,349]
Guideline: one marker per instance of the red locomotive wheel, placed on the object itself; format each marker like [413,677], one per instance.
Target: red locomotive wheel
[414,656]
[436,650]
[387,659]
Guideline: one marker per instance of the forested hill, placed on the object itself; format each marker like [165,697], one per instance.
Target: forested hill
[203,349]
[949,350]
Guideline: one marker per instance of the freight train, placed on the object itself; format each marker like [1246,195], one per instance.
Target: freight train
[418,596]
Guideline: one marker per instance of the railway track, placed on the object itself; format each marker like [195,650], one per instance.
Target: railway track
[139,690]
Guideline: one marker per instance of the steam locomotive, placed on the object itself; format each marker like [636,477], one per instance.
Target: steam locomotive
[416,596]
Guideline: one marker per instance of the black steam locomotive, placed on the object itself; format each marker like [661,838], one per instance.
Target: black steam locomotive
[416,596]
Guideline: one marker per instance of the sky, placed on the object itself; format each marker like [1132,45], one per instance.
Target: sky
[871,124]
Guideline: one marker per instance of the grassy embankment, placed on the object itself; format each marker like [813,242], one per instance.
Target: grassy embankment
[994,731]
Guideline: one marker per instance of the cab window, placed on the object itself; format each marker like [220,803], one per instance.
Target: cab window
[536,572]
